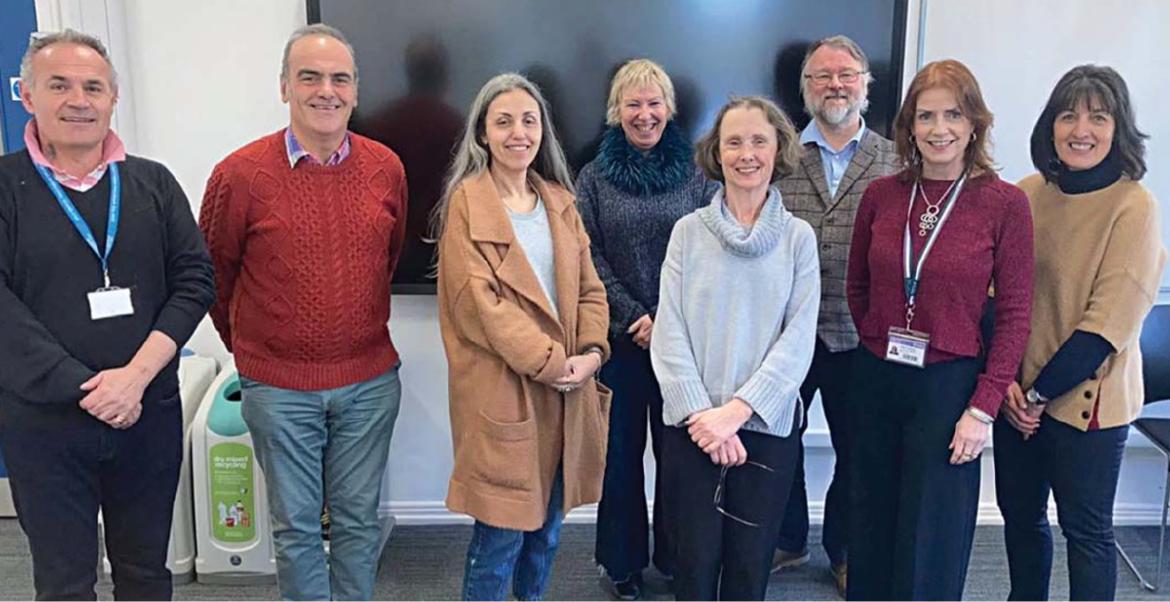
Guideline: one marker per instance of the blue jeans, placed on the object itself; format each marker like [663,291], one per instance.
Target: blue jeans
[324,445]
[497,558]
[1081,470]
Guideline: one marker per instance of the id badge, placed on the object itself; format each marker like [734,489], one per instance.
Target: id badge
[907,347]
[110,303]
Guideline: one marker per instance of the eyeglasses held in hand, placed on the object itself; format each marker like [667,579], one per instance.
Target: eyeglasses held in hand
[719,493]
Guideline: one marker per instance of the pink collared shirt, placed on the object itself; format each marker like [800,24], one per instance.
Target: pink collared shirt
[296,152]
[112,151]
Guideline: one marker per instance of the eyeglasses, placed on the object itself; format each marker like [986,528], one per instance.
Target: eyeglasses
[847,76]
[719,493]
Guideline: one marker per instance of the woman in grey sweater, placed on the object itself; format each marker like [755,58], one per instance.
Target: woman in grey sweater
[734,339]
[641,182]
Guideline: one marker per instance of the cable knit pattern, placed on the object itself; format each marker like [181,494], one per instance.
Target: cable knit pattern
[303,259]
[629,202]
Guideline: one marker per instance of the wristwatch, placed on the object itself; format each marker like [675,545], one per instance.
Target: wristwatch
[1034,397]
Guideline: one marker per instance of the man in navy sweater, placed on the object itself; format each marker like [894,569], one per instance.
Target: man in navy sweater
[103,275]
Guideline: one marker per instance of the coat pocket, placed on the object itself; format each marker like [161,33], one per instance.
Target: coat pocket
[604,402]
[506,453]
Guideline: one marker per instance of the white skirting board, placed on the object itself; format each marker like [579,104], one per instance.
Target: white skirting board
[435,513]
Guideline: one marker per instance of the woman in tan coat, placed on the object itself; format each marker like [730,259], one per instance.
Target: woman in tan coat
[524,322]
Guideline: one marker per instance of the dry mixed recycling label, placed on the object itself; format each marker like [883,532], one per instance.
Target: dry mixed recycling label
[233,506]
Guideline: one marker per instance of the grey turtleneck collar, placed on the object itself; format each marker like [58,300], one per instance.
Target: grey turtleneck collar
[747,241]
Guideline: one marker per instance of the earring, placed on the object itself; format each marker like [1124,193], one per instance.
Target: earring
[974,136]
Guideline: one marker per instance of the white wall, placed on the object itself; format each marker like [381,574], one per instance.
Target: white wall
[1018,50]
[202,78]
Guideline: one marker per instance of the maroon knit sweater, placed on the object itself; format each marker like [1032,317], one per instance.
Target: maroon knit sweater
[303,259]
[987,238]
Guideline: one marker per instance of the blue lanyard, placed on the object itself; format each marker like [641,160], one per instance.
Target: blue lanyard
[911,268]
[78,223]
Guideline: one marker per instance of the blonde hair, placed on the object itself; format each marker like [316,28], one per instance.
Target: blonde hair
[787,140]
[636,73]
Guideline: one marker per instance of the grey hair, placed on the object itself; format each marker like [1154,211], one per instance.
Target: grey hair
[69,36]
[473,157]
[838,42]
[316,29]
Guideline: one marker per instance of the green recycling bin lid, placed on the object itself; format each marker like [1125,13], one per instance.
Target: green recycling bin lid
[224,418]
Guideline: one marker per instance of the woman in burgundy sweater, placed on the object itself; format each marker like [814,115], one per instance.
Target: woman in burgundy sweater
[928,385]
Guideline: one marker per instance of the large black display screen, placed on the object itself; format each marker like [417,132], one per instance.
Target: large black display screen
[422,61]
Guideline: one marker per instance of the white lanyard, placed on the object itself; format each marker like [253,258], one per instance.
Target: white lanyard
[912,276]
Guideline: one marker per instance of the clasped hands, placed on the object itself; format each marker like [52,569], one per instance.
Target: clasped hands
[115,396]
[578,370]
[1024,416]
[715,432]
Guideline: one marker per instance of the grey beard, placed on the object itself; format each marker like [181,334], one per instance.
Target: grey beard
[837,117]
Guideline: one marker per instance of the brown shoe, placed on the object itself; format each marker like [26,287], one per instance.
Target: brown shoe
[784,559]
[840,573]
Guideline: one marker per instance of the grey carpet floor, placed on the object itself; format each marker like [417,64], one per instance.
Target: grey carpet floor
[426,563]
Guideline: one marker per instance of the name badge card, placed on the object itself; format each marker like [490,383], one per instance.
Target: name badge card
[110,303]
[905,346]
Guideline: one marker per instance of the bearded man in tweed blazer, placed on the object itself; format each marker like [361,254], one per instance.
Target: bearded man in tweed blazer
[839,159]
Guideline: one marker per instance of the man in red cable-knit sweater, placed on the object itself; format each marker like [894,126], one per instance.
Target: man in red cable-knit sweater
[305,227]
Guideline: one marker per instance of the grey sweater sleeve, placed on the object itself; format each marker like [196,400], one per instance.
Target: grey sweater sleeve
[671,352]
[773,389]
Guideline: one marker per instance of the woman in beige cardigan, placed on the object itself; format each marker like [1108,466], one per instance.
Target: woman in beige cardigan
[1099,258]
[524,322]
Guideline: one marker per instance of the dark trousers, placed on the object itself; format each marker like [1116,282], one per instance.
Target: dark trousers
[830,374]
[1081,470]
[912,513]
[719,557]
[64,466]
[622,546]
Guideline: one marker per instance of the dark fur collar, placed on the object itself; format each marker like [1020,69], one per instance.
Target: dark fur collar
[666,167]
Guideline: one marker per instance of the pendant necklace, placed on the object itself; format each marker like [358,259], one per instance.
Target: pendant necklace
[929,218]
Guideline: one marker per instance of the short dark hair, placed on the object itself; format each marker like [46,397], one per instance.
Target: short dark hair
[787,140]
[1100,88]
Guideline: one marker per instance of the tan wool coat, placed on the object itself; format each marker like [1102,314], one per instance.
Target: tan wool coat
[505,347]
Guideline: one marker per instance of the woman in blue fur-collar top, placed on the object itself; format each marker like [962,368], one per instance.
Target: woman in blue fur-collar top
[641,182]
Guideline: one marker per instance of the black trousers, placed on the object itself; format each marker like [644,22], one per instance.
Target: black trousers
[1081,469]
[912,513]
[720,557]
[622,545]
[64,465]
[830,373]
